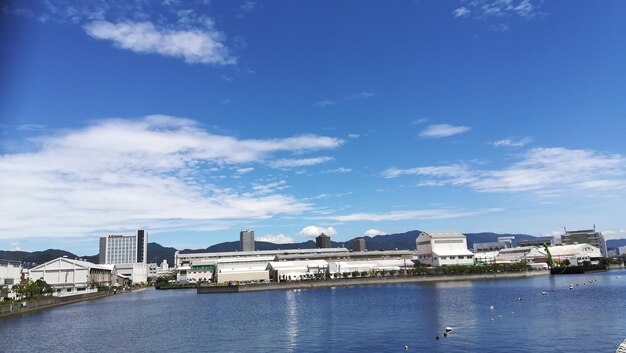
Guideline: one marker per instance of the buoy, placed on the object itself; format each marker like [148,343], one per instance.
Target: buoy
[519,299]
[543,293]
[491,319]
[491,307]
[436,337]
[406,348]
[445,334]
[449,329]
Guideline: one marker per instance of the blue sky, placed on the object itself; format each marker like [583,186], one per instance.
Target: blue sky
[195,120]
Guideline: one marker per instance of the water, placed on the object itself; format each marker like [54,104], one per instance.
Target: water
[590,318]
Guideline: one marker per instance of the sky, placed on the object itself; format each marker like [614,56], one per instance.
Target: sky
[195,120]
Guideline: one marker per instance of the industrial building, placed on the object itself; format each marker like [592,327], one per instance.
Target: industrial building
[246,240]
[443,248]
[576,254]
[322,241]
[358,244]
[71,277]
[588,236]
[537,241]
[10,274]
[128,253]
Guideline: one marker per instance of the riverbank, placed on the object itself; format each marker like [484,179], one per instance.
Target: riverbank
[365,281]
[7,310]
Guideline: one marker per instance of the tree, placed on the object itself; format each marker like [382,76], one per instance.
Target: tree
[29,289]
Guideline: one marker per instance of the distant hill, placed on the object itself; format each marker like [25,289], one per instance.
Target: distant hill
[615,243]
[31,259]
[157,253]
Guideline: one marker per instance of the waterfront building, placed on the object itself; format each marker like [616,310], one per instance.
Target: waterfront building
[322,241]
[576,254]
[128,253]
[246,240]
[358,244]
[537,241]
[490,246]
[205,266]
[10,274]
[443,248]
[72,277]
[587,236]
[524,254]
[621,251]
[507,240]
[152,271]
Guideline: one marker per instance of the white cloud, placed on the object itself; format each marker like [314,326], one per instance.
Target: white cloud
[443,130]
[614,234]
[404,215]
[126,174]
[340,170]
[513,142]
[324,103]
[244,170]
[374,232]
[361,95]
[313,231]
[540,170]
[295,163]
[276,239]
[195,45]
[269,188]
[483,9]
[354,136]
[461,12]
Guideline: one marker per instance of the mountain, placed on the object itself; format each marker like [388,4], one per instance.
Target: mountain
[615,243]
[30,259]
[157,253]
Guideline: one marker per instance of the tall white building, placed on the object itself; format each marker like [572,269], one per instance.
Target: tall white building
[443,248]
[128,253]
[246,240]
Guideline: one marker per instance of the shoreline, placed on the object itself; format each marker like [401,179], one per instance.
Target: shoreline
[367,281]
[8,310]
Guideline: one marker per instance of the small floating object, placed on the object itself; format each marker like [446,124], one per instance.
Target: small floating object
[406,348]
[449,329]
[491,319]
[437,337]
[544,293]
[445,334]
[519,299]
[491,307]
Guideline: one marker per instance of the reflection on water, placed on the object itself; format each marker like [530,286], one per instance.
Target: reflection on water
[587,318]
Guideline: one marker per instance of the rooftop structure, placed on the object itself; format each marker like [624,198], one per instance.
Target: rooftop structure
[587,236]
[537,241]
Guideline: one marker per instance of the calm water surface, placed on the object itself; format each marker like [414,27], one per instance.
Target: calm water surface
[590,318]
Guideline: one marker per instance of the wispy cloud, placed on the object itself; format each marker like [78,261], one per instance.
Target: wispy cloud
[481,9]
[324,103]
[405,215]
[276,239]
[512,142]
[544,171]
[360,95]
[340,170]
[443,130]
[204,46]
[295,163]
[124,174]
[313,231]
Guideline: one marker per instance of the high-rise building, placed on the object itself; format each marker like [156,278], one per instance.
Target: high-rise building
[322,241]
[122,249]
[358,244]
[246,240]
[127,253]
[588,236]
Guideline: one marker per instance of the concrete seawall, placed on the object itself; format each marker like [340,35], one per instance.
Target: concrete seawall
[46,303]
[367,281]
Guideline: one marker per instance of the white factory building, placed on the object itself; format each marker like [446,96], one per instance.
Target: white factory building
[443,248]
[10,274]
[576,254]
[278,265]
[71,277]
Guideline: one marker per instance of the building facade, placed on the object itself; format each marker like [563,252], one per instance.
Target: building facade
[322,241]
[588,236]
[246,240]
[358,244]
[443,248]
[10,274]
[71,277]
[128,253]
